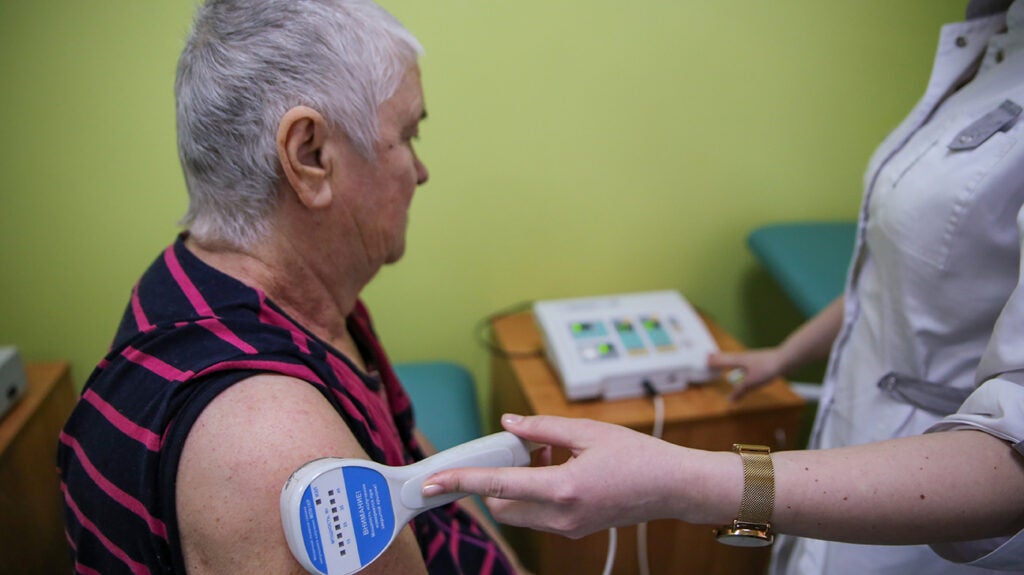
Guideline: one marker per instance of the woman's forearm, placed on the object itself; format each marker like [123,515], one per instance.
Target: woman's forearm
[949,486]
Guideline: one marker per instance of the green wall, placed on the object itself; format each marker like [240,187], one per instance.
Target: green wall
[576,147]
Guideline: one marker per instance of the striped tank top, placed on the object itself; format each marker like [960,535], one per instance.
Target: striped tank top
[188,332]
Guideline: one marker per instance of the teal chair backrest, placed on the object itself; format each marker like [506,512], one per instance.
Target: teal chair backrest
[444,401]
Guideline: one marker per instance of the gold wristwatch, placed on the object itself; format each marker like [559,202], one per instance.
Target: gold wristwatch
[752,527]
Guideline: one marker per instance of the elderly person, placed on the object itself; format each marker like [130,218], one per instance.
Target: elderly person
[245,350]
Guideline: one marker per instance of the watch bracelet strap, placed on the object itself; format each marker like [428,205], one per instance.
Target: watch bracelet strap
[758,500]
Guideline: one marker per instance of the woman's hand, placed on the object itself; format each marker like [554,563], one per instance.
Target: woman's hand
[614,476]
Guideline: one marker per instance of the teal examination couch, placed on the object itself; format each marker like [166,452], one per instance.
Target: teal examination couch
[808,260]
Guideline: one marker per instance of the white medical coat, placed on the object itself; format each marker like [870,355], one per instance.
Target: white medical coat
[934,285]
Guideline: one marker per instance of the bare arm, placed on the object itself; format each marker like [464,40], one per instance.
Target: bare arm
[937,487]
[252,437]
[954,485]
[810,342]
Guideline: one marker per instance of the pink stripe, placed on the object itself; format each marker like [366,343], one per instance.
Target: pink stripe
[454,537]
[270,316]
[127,426]
[135,566]
[199,304]
[435,547]
[217,328]
[289,369]
[488,567]
[157,366]
[127,501]
[140,316]
[186,285]
[341,369]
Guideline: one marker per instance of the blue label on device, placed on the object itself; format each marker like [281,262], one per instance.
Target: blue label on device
[311,532]
[373,518]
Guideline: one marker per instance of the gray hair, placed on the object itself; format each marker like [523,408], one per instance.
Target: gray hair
[246,63]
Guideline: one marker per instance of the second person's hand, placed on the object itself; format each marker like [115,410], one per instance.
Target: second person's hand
[756,367]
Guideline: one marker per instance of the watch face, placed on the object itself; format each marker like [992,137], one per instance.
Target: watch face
[743,537]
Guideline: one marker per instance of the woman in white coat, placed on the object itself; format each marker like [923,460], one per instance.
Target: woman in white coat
[933,276]
[933,310]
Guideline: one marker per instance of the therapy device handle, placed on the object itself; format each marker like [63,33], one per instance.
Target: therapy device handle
[501,449]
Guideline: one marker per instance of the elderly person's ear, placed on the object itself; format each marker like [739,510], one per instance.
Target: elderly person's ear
[301,136]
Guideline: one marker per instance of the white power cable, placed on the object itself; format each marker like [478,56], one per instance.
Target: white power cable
[613,540]
[659,416]
[641,529]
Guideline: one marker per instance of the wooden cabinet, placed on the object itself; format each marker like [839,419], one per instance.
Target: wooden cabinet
[700,416]
[31,513]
